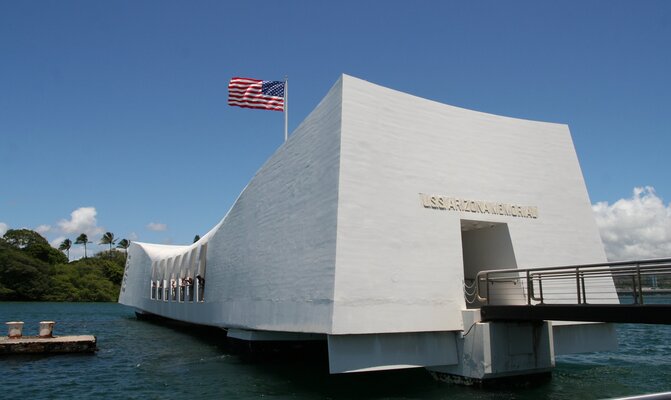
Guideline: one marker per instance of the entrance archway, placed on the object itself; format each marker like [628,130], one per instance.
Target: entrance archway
[487,245]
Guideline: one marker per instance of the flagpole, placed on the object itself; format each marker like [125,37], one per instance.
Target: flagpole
[286,108]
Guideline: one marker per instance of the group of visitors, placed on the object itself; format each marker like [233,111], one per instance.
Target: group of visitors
[186,282]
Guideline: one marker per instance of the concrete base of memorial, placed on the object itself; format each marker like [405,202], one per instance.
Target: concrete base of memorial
[494,350]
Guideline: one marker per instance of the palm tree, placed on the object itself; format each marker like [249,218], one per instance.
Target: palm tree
[124,244]
[83,239]
[196,238]
[108,238]
[65,246]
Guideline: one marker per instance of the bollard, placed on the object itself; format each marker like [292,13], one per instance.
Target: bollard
[46,329]
[15,329]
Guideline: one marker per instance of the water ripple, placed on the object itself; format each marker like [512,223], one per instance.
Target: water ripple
[140,360]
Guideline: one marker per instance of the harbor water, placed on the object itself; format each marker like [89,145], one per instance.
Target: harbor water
[143,360]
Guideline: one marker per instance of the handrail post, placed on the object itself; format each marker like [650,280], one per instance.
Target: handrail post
[584,294]
[577,282]
[530,288]
[540,287]
[487,286]
[640,288]
[633,289]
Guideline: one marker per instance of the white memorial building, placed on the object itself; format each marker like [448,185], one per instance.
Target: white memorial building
[363,227]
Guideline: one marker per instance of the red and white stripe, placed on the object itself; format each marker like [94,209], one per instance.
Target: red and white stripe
[246,92]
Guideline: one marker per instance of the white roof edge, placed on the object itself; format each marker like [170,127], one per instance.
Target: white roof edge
[345,76]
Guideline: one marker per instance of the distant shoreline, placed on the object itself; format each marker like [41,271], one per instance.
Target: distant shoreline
[646,290]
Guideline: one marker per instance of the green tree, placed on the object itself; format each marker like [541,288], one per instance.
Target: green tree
[96,278]
[196,238]
[33,244]
[108,238]
[83,239]
[22,276]
[85,280]
[32,270]
[112,271]
[65,246]
[22,238]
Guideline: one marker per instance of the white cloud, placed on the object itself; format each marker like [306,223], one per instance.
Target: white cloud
[57,241]
[157,226]
[133,236]
[635,228]
[3,228]
[82,220]
[43,229]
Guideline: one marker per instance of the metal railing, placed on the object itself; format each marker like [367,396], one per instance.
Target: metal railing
[574,284]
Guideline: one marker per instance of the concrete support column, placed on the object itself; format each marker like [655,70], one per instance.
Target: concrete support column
[493,350]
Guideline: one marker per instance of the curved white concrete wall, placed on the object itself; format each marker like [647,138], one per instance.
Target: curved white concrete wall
[273,257]
[270,261]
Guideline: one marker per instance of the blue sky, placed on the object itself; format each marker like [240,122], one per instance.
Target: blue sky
[116,110]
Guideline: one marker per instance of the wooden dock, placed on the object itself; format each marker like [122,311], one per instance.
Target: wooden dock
[48,345]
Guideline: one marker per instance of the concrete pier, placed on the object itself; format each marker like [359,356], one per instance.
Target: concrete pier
[48,345]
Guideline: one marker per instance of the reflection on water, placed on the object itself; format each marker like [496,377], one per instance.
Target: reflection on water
[139,359]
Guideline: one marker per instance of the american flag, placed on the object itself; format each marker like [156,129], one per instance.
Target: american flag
[255,93]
